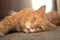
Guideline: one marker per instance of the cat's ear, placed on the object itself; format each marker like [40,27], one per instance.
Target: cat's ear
[41,9]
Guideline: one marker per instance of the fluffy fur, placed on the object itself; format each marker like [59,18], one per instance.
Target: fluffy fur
[53,17]
[26,20]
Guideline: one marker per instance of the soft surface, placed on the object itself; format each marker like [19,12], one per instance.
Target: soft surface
[50,35]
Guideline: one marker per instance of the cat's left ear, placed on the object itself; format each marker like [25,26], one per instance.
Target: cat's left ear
[41,9]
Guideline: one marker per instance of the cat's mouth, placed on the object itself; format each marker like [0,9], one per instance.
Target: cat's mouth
[26,30]
[33,30]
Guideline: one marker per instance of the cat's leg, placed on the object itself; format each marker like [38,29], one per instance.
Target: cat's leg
[3,30]
[5,27]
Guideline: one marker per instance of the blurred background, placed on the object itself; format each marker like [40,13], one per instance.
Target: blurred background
[15,5]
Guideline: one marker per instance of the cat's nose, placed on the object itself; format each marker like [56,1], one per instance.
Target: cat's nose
[32,27]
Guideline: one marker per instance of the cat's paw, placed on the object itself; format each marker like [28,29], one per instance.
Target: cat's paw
[48,28]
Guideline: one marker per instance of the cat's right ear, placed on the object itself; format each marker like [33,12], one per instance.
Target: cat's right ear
[41,9]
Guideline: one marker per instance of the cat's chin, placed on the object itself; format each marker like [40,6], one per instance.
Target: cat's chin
[32,30]
[26,31]
[29,30]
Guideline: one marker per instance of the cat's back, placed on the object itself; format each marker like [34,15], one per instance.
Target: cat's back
[53,17]
[23,12]
[21,15]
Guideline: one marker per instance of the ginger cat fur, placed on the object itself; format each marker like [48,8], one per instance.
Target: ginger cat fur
[26,20]
[53,17]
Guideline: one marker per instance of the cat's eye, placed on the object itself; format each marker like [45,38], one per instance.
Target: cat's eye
[33,18]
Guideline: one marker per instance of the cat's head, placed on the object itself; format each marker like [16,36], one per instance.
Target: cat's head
[36,21]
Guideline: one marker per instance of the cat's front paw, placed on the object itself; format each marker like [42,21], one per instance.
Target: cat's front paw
[48,28]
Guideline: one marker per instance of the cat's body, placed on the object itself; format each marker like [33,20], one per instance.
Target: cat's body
[27,20]
[53,17]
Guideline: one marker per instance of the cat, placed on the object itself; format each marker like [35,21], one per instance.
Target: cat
[27,20]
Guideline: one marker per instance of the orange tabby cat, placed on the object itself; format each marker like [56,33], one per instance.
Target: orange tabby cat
[27,20]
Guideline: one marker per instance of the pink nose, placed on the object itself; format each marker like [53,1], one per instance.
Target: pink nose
[31,27]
